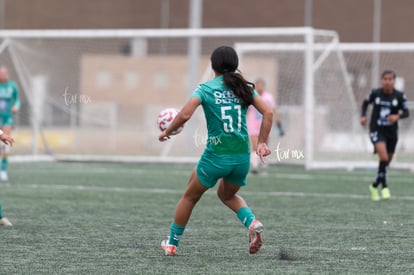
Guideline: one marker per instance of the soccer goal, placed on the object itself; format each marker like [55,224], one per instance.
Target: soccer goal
[320,84]
[95,94]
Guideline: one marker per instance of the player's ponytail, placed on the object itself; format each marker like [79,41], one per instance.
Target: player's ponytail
[224,60]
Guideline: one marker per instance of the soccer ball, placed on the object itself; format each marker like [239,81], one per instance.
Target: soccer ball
[166,117]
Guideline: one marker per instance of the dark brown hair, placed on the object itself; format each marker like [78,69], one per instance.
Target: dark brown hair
[387,72]
[224,60]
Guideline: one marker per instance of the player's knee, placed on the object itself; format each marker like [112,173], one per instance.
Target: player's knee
[220,192]
[190,199]
[191,196]
[384,159]
[223,193]
[223,197]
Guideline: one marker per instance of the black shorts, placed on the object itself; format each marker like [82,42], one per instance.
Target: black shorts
[388,136]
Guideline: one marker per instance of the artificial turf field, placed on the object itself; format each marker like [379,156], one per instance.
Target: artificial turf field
[95,218]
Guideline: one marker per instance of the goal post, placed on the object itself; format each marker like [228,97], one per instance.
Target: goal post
[102,88]
[95,94]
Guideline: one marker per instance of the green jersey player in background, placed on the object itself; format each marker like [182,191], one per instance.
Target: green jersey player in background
[9,105]
[226,158]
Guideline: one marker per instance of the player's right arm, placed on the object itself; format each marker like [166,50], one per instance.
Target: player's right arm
[184,115]
[368,100]
[262,149]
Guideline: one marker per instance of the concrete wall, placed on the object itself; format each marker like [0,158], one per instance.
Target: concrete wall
[351,18]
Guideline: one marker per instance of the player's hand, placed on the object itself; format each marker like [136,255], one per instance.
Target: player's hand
[14,110]
[263,151]
[363,120]
[393,118]
[7,139]
[163,136]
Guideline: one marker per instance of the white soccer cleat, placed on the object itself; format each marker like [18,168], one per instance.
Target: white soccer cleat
[255,236]
[169,249]
[5,222]
[4,176]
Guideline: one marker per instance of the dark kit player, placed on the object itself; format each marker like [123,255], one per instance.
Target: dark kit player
[389,105]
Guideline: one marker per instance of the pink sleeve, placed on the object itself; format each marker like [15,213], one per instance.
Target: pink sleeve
[270,101]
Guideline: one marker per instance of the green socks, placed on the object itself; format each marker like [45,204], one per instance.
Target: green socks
[176,231]
[1,212]
[4,163]
[246,216]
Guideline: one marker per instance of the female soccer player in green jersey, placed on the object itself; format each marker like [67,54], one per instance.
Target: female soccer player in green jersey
[9,105]
[9,141]
[226,158]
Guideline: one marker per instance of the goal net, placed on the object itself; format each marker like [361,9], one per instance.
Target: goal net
[320,101]
[95,94]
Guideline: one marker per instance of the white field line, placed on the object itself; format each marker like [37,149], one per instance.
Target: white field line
[299,176]
[172,191]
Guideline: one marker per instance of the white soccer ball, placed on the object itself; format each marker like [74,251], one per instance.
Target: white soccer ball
[166,117]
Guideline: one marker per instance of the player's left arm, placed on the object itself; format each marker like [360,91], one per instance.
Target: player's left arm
[262,148]
[185,114]
[404,107]
[403,110]
[16,99]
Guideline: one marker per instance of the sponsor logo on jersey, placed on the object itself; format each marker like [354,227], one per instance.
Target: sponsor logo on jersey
[223,97]
[378,101]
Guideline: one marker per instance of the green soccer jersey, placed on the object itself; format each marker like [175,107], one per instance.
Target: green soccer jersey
[9,97]
[226,118]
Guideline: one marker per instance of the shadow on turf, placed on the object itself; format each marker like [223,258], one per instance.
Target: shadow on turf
[286,255]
